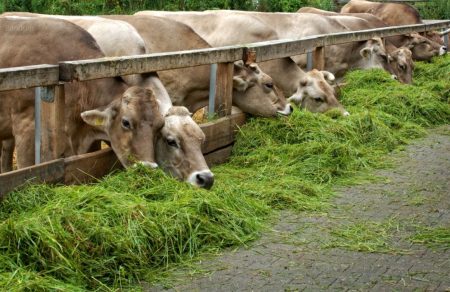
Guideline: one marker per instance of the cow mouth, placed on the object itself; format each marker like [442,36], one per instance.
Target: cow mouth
[288,109]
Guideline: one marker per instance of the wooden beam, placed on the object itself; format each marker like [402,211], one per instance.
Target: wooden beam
[90,167]
[224,89]
[219,156]
[28,76]
[53,140]
[221,132]
[118,66]
[50,172]
[319,58]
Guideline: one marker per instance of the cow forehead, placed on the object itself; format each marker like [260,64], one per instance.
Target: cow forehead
[183,126]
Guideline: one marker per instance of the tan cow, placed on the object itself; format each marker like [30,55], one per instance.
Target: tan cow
[338,58]
[253,90]
[238,29]
[392,14]
[422,49]
[126,41]
[129,119]
[400,59]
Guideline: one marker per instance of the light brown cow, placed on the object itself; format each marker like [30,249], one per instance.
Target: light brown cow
[238,29]
[400,59]
[253,90]
[338,58]
[422,49]
[129,119]
[392,14]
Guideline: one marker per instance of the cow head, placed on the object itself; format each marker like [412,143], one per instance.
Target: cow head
[402,64]
[422,48]
[316,93]
[255,93]
[434,36]
[130,124]
[179,149]
[374,55]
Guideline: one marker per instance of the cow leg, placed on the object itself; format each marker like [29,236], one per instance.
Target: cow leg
[7,153]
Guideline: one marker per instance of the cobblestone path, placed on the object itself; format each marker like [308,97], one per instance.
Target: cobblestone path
[312,252]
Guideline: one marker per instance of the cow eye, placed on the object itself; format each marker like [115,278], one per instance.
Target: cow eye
[269,85]
[318,99]
[126,124]
[171,142]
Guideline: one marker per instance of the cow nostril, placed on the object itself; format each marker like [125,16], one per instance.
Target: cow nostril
[444,48]
[291,109]
[205,180]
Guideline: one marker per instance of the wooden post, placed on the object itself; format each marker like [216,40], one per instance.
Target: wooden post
[224,89]
[53,141]
[319,58]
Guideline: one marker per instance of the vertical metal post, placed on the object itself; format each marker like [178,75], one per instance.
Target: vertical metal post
[212,89]
[37,125]
[446,40]
[309,60]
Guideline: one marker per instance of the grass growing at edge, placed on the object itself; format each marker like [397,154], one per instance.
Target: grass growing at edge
[133,223]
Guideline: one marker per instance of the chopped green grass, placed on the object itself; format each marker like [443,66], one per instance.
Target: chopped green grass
[434,237]
[132,224]
[367,236]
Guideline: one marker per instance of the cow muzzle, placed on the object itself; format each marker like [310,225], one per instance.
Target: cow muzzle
[146,164]
[288,109]
[203,179]
[442,50]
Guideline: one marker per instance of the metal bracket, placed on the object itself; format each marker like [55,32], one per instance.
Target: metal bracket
[47,93]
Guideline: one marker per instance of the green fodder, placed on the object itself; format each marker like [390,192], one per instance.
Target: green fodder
[434,237]
[123,229]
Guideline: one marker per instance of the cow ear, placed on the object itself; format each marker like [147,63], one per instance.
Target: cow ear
[98,119]
[240,84]
[254,67]
[366,52]
[329,77]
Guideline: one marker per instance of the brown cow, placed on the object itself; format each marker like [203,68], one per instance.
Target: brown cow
[253,90]
[239,29]
[128,118]
[392,14]
[400,59]
[422,49]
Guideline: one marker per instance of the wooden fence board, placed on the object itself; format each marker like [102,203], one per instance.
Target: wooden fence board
[50,172]
[53,139]
[90,166]
[219,156]
[118,66]
[28,76]
[224,89]
[221,132]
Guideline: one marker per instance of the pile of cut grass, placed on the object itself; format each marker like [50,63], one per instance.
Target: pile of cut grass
[128,226]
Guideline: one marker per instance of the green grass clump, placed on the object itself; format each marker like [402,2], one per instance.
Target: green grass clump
[434,237]
[127,227]
[365,236]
